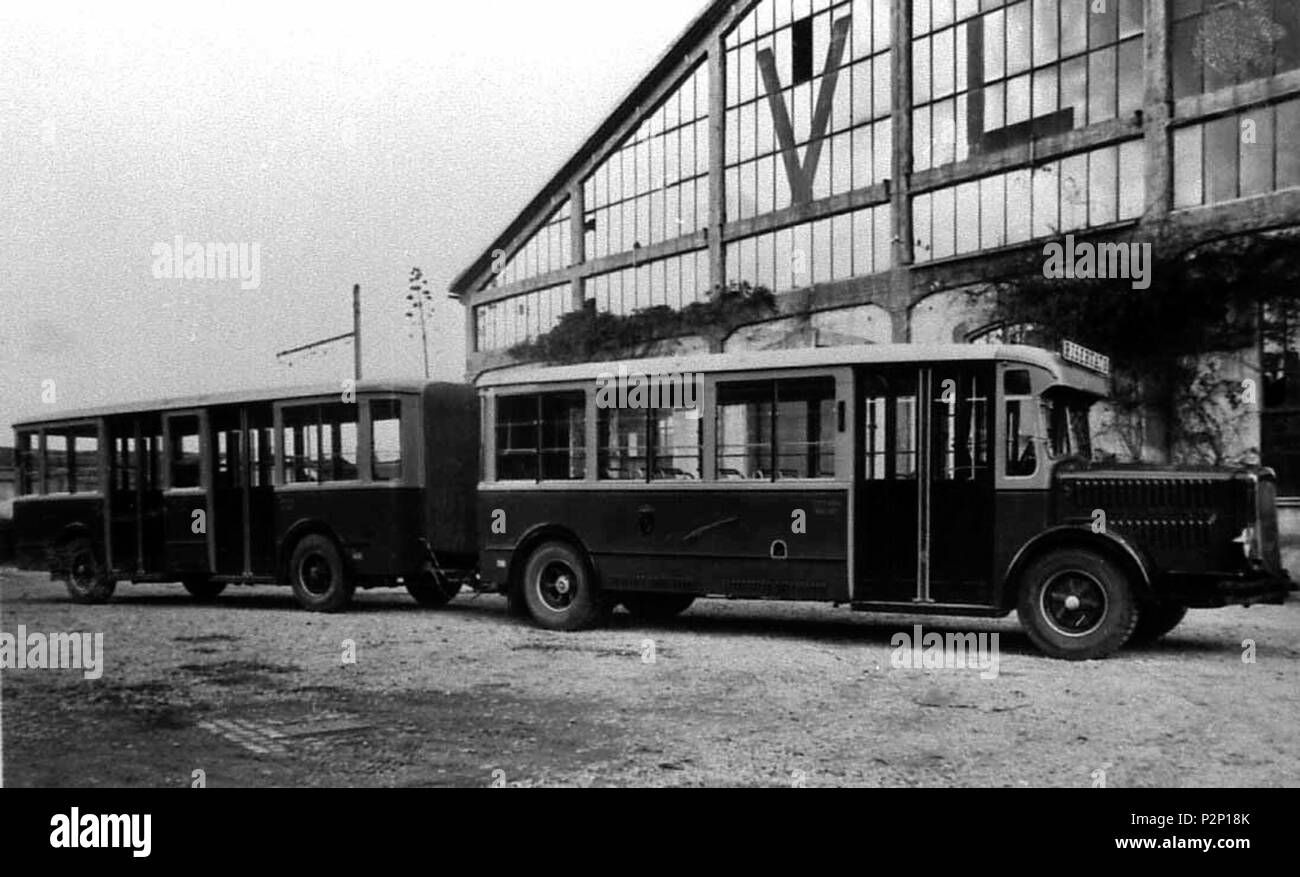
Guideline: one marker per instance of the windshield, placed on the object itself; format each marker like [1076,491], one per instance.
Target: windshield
[1066,413]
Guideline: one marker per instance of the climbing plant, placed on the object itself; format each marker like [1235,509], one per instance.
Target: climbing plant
[589,335]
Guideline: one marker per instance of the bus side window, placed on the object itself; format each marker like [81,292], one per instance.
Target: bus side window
[386,439]
[1022,414]
[621,448]
[185,462]
[743,425]
[29,472]
[339,443]
[57,463]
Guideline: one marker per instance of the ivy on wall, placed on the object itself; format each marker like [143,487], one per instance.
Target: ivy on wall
[589,335]
[1203,302]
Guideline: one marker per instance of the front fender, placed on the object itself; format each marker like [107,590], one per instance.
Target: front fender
[1066,535]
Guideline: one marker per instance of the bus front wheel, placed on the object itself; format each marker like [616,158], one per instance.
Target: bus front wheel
[559,589]
[1156,620]
[1077,605]
[87,579]
[320,579]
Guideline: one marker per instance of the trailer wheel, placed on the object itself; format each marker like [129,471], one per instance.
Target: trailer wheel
[87,579]
[432,590]
[656,607]
[1077,605]
[560,590]
[203,590]
[1155,620]
[321,580]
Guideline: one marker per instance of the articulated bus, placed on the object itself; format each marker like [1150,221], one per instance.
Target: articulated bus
[953,480]
[321,489]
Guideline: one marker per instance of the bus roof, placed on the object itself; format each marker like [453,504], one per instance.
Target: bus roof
[226,398]
[1065,373]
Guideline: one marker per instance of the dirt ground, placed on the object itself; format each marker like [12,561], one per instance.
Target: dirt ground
[252,691]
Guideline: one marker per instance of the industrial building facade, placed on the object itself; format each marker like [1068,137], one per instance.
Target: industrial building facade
[875,162]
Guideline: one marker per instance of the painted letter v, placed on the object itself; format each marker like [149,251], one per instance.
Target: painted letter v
[801,176]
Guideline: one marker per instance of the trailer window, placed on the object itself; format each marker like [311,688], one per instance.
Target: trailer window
[183,436]
[57,463]
[29,473]
[386,440]
[320,443]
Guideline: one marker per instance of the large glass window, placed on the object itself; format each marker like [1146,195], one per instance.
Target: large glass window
[836,248]
[808,102]
[28,463]
[673,282]
[542,437]
[1220,43]
[1237,156]
[993,74]
[1084,190]
[776,430]
[510,321]
[547,251]
[654,187]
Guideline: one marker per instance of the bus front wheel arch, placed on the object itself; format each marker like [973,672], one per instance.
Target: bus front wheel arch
[559,588]
[1076,603]
[319,574]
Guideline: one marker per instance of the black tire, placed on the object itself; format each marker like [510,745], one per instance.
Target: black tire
[84,572]
[656,607]
[321,580]
[1155,620]
[1077,605]
[560,590]
[203,590]
[432,590]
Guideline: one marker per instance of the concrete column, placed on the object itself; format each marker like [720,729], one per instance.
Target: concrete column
[717,160]
[578,240]
[1157,112]
[900,189]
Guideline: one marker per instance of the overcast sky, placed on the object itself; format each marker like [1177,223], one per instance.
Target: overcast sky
[349,142]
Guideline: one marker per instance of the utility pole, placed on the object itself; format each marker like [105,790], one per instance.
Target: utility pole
[356,332]
[355,335]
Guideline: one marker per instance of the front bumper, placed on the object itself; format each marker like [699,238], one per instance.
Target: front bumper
[1246,589]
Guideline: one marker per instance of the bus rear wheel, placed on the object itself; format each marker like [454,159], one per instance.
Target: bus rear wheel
[1157,619]
[1077,605]
[559,589]
[656,607]
[432,590]
[321,580]
[87,579]
[203,589]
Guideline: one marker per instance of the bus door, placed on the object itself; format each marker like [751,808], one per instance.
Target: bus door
[187,513]
[259,511]
[228,496]
[125,499]
[958,541]
[887,485]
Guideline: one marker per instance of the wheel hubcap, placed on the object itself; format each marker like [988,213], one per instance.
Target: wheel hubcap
[1074,603]
[557,586]
[315,575]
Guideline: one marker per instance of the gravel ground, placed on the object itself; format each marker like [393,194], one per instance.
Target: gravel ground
[252,691]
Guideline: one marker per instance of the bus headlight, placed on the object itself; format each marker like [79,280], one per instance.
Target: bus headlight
[1249,544]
